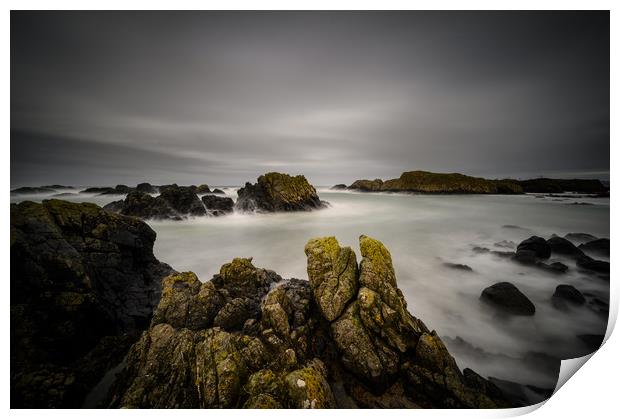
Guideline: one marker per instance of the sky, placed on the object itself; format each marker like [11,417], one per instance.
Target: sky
[101,98]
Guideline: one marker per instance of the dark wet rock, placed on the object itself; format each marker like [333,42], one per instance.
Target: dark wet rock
[218,191]
[286,353]
[535,244]
[580,237]
[458,266]
[586,262]
[57,187]
[201,189]
[522,394]
[498,253]
[567,293]
[183,200]
[174,202]
[562,246]
[217,205]
[275,192]
[84,282]
[554,267]
[598,246]
[64,195]
[99,190]
[27,190]
[117,190]
[146,188]
[507,297]
[593,342]
[339,187]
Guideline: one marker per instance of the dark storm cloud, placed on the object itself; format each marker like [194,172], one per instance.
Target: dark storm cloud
[222,97]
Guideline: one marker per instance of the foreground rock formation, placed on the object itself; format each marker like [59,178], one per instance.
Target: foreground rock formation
[419,181]
[84,283]
[249,339]
[278,192]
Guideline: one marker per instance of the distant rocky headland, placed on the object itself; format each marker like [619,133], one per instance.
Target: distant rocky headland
[455,183]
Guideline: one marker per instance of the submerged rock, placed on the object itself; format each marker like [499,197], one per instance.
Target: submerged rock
[508,298]
[83,283]
[289,343]
[217,205]
[278,192]
[562,246]
[586,262]
[99,190]
[598,246]
[218,192]
[458,266]
[567,293]
[339,187]
[580,237]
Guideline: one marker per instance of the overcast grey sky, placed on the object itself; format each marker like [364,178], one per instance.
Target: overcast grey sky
[221,97]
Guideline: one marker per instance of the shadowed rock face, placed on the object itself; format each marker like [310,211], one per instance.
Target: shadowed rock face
[249,339]
[174,202]
[508,298]
[83,283]
[278,192]
[218,205]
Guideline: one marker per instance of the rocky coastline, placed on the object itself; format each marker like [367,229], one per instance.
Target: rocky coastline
[423,182]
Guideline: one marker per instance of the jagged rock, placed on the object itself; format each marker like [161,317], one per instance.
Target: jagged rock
[83,283]
[567,293]
[287,354]
[217,205]
[536,244]
[174,202]
[508,298]
[278,192]
[598,246]
[146,188]
[218,192]
[333,275]
[204,188]
[183,200]
[339,187]
[563,246]
[586,262]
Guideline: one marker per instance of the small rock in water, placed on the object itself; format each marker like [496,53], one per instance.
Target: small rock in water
[598,246]
[507,297]
[458,266]
[588,263]
[538,245]
[507,244]
[564,247]
[567,293]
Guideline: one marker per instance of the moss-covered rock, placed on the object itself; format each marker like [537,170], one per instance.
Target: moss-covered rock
[307,388]
[278,192]
[332,271]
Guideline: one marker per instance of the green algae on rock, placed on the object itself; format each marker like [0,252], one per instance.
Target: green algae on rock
[294,343]
[275,192]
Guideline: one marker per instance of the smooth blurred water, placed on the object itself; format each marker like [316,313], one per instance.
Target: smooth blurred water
[422,232]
